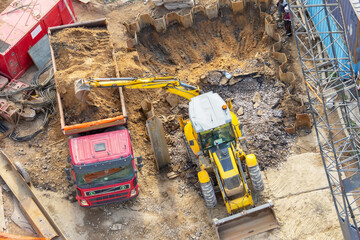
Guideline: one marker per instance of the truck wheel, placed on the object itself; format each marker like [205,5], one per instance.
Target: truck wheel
[23,172]
[115,128]
[256,179]
[209,194]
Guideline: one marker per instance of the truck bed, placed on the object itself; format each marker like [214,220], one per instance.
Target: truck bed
[83,50]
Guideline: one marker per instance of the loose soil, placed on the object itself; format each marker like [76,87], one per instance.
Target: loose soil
[4,4]
[83,53]
[224,43]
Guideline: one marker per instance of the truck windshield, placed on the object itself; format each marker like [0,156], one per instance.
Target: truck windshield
[103,176]
[217,135]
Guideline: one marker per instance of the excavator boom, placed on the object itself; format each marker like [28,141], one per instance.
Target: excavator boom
[171,84]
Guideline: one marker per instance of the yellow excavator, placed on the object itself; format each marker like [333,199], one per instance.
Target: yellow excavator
[214,136]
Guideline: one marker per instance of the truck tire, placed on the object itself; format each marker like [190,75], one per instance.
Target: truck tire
[209,194]
[23,172]
[115,128]
[256,179]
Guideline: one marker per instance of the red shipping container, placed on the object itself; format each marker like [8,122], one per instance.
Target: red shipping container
[22,24]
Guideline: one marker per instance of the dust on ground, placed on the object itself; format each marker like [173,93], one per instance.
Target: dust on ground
[81,53]
[174,208]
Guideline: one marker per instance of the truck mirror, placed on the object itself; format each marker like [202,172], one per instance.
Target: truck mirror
[139,162]
[191,142]
[67,172]
[69,159]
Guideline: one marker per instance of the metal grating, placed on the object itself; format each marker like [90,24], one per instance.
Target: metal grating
[333,98]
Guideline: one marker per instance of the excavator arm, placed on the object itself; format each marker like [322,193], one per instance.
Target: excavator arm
[171,84]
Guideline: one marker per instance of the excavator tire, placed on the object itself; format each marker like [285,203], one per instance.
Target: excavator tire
[209,194]
[192,157]
[256,178]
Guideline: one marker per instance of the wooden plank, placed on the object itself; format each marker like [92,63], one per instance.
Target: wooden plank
[18,237]
[2,215]
[37,219]
[27,198]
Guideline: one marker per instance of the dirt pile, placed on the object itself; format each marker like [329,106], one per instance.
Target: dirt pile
[218,43]
[83,53]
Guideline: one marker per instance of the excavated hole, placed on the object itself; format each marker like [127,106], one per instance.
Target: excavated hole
[235,44]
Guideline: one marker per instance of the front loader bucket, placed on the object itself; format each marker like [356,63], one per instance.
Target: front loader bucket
[247,223]
[158,142]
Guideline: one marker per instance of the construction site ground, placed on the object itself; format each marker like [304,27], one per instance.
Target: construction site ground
[166,208]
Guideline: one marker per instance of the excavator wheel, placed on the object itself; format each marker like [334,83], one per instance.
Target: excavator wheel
[191,156]
[209,194]
[256,178]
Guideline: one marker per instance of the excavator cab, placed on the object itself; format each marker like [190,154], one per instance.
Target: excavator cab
[214,135]
[217,136]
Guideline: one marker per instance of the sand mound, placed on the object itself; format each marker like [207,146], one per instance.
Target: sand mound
[83,53]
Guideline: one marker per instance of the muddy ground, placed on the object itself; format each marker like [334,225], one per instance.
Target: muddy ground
[174,208]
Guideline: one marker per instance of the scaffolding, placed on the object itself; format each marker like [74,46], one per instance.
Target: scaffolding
[321,39]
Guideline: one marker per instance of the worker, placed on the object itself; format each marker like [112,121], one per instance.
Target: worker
[287,21]
[211,139]
[281,8]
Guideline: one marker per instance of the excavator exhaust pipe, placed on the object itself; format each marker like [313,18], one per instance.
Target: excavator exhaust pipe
[247,223]
[82,89]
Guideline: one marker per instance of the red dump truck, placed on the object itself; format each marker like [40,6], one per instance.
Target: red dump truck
[100,152]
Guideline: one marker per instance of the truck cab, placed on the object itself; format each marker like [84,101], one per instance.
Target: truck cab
[103,167]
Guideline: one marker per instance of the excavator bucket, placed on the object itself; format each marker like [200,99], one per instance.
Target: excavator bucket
[247,223]
[81,89]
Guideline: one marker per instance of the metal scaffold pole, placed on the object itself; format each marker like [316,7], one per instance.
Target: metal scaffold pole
[326,63]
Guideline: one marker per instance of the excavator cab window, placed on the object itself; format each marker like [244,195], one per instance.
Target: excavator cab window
[217,135]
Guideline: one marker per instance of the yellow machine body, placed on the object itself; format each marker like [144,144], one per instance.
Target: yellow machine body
[225,163]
